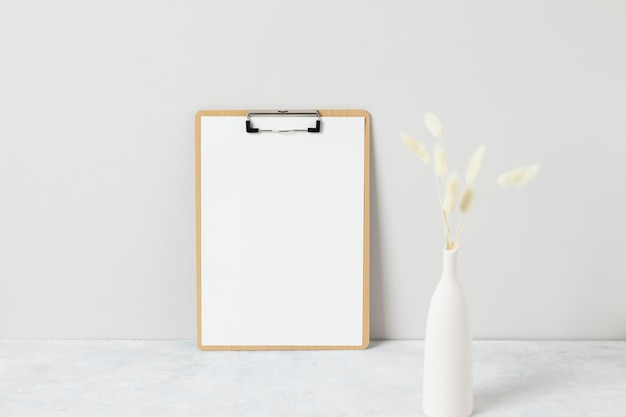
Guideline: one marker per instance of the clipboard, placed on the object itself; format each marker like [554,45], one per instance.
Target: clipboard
[282,229]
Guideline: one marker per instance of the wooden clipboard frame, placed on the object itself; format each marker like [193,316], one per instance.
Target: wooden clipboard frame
[366,233]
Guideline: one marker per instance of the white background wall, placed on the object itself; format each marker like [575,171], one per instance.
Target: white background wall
[97,169]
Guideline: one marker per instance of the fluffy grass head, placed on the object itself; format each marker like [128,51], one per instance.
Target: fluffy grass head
[518,176]
[467,199]
[434,125]
[475,164]
[452,191]
[441,161]
[417,148]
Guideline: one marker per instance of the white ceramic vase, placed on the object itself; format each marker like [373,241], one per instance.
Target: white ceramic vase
[448,359]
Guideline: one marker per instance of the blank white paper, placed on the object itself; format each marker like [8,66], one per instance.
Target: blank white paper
[282,233]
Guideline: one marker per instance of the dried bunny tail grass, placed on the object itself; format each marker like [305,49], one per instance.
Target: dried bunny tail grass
[467,198]
[475,164]
[415,147]
[518,176]
[441,161]
[446,230]
[434,125]
[452,190]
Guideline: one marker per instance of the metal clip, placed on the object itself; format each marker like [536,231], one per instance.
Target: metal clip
[292,113]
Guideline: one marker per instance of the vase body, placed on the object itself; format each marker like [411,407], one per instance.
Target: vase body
[448,358]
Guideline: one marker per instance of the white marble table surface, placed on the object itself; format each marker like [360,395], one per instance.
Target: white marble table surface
[173,378]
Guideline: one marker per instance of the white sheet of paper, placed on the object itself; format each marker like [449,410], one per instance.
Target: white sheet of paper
[282,232]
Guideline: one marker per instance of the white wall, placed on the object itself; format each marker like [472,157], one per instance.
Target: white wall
[97,170]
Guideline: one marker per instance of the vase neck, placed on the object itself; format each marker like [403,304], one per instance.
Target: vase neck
[449,264]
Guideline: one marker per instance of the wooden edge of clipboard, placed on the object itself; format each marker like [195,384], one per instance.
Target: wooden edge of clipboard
[366,235]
